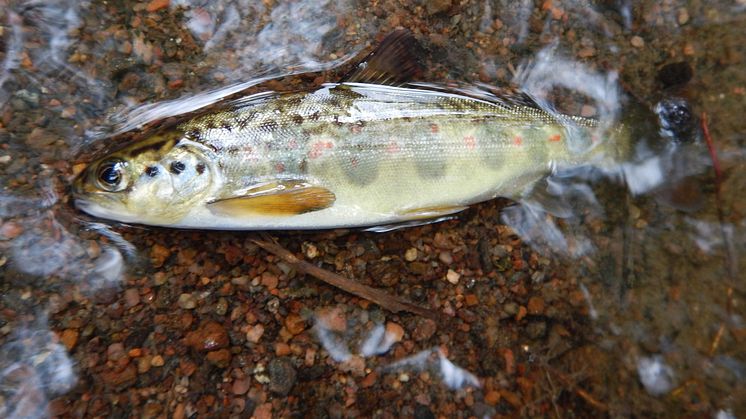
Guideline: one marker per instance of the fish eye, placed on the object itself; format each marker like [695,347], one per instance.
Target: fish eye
[110,174]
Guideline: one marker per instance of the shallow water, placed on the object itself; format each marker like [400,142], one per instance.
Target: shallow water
[629,303]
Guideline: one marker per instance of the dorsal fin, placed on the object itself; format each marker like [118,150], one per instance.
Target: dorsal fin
[393,62]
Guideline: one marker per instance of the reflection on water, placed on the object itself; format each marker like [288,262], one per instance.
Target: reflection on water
[652,246]
[379,341]
[34,368]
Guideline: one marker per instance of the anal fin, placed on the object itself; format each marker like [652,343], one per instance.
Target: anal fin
[419,217]
[385,228]
[431,212]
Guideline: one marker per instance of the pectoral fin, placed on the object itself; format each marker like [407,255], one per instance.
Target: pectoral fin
[277,198]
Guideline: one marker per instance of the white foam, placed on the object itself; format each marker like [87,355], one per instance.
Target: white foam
[657,377]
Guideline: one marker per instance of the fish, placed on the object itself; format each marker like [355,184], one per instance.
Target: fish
[375,149]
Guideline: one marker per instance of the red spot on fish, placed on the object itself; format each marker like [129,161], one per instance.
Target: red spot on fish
[356,129]
[517,140]
[317,149]
[292,144]
[280,167]
[470,142]
[555,138]
[434,128]
[354,162]
[594,138]
[393,147]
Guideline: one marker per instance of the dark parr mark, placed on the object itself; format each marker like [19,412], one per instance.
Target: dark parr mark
[155,146]
[151,171]
[177,167]
[226,126]
[268,126]
[193,134]
[297,119]
[334,102]
[294,100]
[200,168]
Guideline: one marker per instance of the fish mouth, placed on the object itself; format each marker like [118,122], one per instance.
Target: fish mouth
[96,209]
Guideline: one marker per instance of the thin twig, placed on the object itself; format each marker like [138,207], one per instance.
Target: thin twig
[553,395]
[711,148]
[728,246]
[579,391]
[383,299]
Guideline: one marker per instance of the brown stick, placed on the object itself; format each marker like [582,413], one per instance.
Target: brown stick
[730,260]
[383,299]
[579,391]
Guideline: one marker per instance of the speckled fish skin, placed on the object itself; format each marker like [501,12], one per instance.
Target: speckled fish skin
[387,154]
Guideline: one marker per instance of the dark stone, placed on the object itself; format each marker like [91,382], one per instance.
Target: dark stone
[675,74]
[423,412]
[536,329]
[282,376]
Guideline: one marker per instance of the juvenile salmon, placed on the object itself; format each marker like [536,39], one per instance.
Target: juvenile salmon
[363,152]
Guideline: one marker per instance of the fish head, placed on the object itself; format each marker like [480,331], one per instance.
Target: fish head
[156,181]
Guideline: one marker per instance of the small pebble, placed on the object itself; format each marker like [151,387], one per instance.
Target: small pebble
[282,349]
[637,42]
[179,411]
[424,330]
[143,364]
[69,338]
[453,276]
[263,411]
[369,380]
[535,306]
[445,257]
[156,5]
[254,334]
[221,307]
[269,280]
[187,301]
[241,385]
[131,297]
[115,352]
[295,324]
[220,358]
[159,254]
[410,255]
[394,331]
[682,16]
[492,397]
[208,337]
[587,52]
[282,376]
[157,361]
[310,250]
